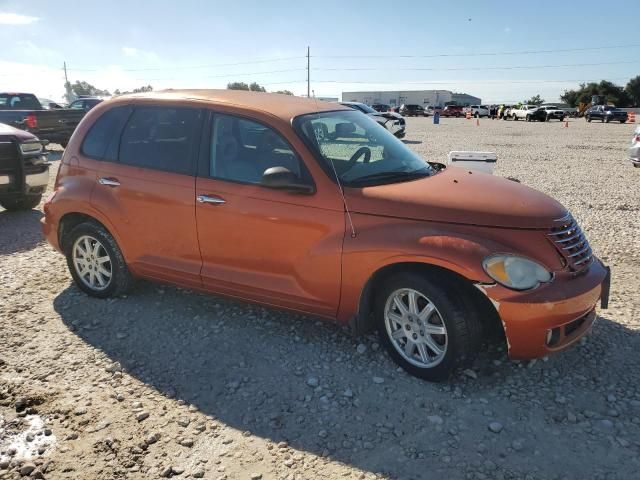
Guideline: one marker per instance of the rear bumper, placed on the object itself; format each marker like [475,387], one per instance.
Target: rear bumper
[49,227]
[553,317]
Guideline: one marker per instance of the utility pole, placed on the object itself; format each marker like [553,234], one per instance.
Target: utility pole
[67,85]
[308,73]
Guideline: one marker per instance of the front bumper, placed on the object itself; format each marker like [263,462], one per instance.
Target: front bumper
[25,182]
[551,317]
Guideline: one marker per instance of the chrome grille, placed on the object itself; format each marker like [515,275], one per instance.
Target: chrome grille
[572,243]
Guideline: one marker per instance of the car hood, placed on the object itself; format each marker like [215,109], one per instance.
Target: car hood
[15,132]
[457,195]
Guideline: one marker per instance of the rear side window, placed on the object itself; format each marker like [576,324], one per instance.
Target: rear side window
[160,138]
[103,139]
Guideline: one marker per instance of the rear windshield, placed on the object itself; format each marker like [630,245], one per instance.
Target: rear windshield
[19,101]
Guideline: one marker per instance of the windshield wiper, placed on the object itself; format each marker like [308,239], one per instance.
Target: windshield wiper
[390,176]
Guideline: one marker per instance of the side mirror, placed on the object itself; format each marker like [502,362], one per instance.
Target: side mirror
[282,178]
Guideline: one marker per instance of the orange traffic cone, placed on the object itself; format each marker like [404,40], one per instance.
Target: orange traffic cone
[566,124]
[477,122]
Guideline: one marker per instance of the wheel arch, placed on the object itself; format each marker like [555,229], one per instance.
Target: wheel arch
[479,303]
[70,220]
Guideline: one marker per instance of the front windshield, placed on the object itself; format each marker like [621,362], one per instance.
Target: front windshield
[361,150]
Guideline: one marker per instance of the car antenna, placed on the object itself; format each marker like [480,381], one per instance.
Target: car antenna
[340,189]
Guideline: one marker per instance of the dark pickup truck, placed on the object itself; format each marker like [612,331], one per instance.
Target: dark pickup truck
[24,111]
[24,169]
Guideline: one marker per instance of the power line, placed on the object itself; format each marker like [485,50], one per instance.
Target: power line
[184,67]
[473,82]
[484,54]
[513,67]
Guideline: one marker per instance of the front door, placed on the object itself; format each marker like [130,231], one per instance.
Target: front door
[271,246]
[148,193]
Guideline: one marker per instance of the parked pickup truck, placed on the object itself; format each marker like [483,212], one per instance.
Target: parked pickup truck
[477,111]
[528,113]
[24,169]
[24,111]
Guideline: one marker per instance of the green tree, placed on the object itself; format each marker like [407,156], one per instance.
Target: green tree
[614,93]
[237,86]
[254,87]
[633,90]
[143,89]
[535,100]
[285,92]
[80,87]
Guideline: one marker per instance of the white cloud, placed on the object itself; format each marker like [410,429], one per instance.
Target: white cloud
[16,19]
[143,55]
[130,51]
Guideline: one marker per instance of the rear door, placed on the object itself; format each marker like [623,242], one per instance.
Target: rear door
[148,192]
[271,246]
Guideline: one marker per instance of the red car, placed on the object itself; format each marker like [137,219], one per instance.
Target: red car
[452,111]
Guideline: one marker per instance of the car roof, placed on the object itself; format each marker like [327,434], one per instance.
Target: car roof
[277,104]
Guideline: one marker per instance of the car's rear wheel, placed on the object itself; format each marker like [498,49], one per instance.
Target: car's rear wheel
[607,119]
[96,262]
[623,121]
[588,118]
[425,327]
[23,203]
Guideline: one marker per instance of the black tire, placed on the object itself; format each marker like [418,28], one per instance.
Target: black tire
[607,119]
[463,327]
[23,203]
[528,118]
[588,118]
[121,280]
[477,115]
[623,121]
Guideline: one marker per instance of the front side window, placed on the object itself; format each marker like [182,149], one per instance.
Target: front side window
[160,138]
[77,105]
[241,151]
[103,139]
[360,150]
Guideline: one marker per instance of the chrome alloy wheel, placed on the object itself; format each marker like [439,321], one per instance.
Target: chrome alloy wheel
[415,328]
[92,262]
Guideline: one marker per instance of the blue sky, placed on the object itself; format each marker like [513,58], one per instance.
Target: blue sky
[418,45]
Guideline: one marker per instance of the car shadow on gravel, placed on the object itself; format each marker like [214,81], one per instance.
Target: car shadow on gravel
[20,231]
[286,377]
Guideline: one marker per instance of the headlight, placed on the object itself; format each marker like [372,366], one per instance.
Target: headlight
[515,272]
[30,148]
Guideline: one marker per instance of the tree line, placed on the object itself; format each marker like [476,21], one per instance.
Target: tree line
[620,96]
[627,96]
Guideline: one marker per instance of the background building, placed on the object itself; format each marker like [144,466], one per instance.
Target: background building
[436,98]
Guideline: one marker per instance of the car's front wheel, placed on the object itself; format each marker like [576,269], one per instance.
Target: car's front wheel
[96,262]
[425,327]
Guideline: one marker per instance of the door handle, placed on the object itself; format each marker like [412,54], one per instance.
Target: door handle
[213,199]
[110,182]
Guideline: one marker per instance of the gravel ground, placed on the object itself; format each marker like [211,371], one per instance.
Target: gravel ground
[170,383]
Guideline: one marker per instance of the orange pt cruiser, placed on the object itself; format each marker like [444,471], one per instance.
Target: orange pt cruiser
[314,207]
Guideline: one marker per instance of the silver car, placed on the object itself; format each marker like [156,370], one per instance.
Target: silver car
[634,149]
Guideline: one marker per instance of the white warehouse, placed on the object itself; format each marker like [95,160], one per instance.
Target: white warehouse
[435,98]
